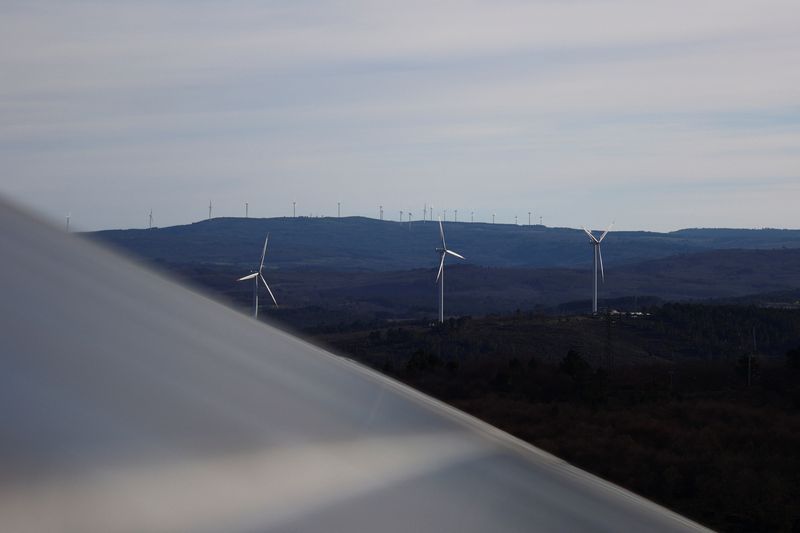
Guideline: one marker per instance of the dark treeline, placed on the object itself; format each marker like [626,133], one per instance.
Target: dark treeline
[627,399]
[730,330]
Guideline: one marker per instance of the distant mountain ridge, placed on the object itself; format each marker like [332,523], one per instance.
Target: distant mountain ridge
[364,244]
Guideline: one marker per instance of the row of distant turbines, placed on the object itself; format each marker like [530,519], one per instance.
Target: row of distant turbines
[443,252]
[405,216]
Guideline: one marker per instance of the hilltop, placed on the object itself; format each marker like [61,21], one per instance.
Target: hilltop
[364,244]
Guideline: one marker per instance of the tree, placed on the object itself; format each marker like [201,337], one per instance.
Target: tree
[575,366]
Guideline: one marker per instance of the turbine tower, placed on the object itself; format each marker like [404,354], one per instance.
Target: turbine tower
[440,276]
[209,210]
[68,217]
[255,276]
[150,220]
[598,258]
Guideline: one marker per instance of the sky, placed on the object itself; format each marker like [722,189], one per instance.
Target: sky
[659,114]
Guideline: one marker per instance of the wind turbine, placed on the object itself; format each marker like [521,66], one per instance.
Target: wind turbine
[440,276]
[598,258]
[255,276]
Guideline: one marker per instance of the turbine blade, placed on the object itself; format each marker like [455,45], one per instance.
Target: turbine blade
[269,290]
[263,253]
[455,254]
[250,276]
[600,256]
[603,236]
[441,232]
[441,267]
[589,233]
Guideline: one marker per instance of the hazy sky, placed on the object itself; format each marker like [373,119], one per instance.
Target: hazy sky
[659,114]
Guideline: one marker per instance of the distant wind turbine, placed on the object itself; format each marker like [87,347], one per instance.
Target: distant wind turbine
[68,217]
[440,276]
[255,276]
[598,258]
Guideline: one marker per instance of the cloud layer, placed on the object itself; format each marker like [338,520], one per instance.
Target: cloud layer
[662,114]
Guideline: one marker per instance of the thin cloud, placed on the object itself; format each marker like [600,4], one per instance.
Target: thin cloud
[484,105]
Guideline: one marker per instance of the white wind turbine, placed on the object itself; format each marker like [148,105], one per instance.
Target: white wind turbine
[598,258]
[440,276]
[255,276]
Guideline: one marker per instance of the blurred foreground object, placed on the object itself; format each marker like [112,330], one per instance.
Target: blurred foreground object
[131,404]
